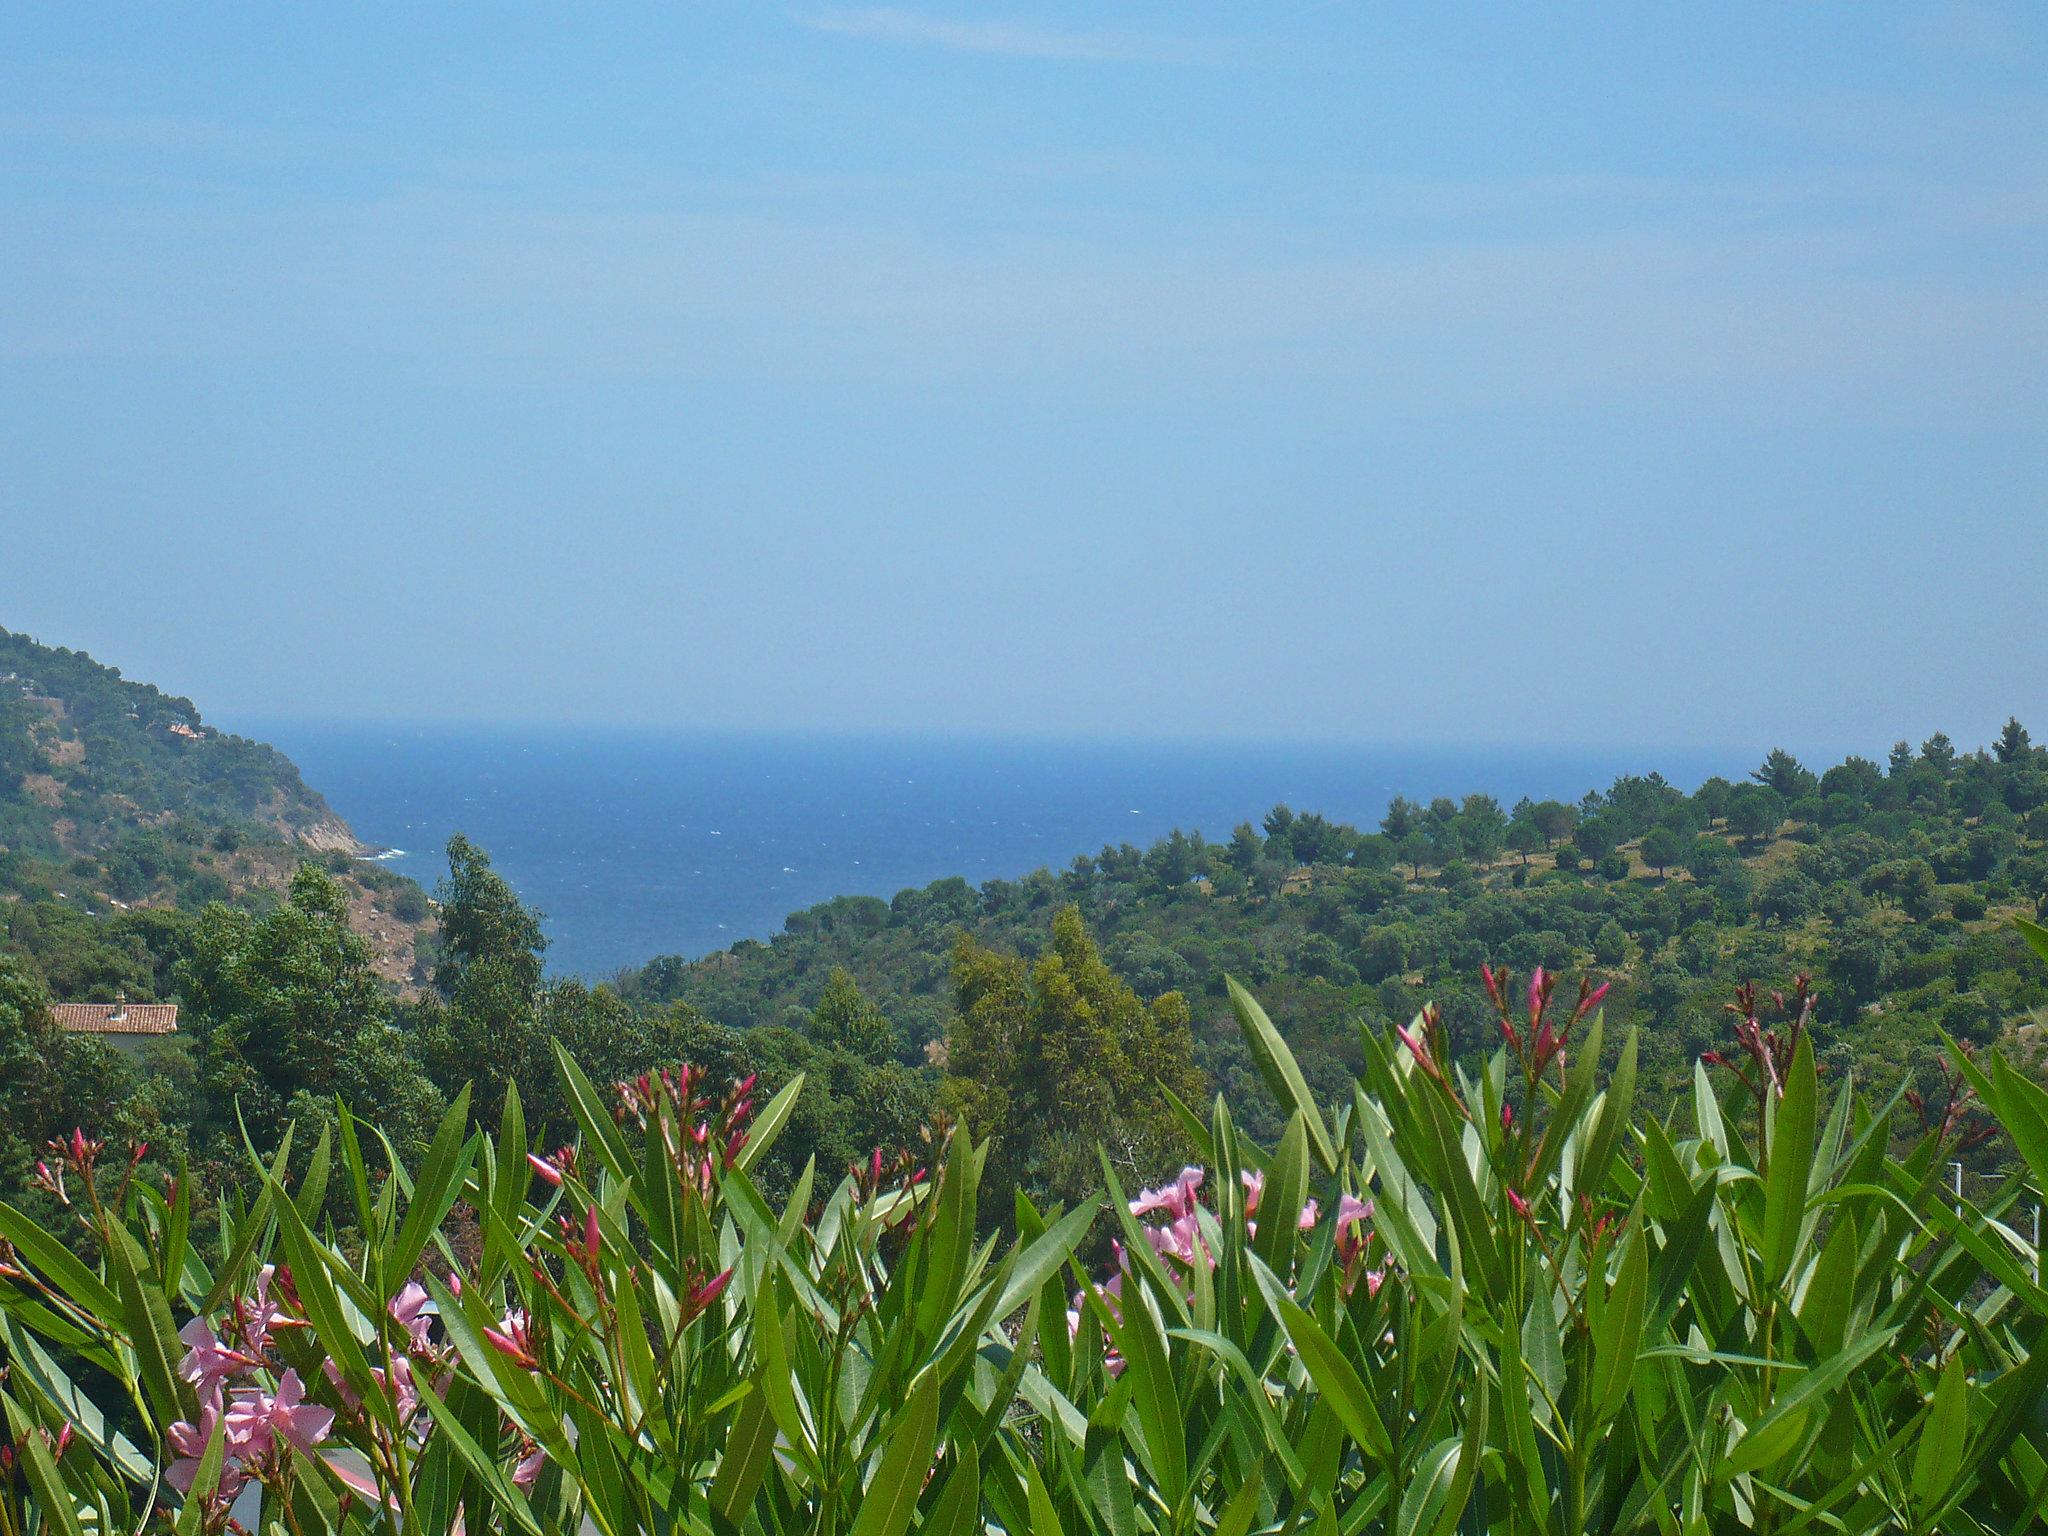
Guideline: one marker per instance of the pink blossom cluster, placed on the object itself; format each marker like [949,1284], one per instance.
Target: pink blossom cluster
[1178,1238]
[258,1423]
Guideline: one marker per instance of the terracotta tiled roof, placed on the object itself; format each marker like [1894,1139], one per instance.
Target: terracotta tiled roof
[117,1018]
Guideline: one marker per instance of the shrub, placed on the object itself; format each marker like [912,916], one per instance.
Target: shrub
[1499,1295]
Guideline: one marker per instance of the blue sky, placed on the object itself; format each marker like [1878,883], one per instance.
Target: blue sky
[1645,374]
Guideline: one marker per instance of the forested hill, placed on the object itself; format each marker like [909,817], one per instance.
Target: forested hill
[1892,883]
[117,798]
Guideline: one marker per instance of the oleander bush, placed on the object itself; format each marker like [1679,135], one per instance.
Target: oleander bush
[1497,1295]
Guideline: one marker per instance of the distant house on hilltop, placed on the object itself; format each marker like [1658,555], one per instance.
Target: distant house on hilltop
[119,1022]
[1297,881]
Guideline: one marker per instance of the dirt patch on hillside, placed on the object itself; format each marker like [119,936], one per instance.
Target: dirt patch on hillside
[393,943]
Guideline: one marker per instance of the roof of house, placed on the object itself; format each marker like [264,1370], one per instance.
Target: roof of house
[117,1018]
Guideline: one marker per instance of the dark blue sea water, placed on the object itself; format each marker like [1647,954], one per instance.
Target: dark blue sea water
[641,844]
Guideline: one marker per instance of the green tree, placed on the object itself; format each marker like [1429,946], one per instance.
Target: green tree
[1480,826]
[291,1016]
[2013,744]
[1789,898]
[1554,819]
[1908,884]
[1058,1055]
[1245,849]
[1403,817]
[1523,839]
[1594,838]
[1785,774]
[50,1081]
[845,1020]
[1755,811]
[1662,848]
[483,923]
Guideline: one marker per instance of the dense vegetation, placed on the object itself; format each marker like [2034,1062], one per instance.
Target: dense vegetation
[1498,1296]
[123,814]
[116,790]
[1891,885]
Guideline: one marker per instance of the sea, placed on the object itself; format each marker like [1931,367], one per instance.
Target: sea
[636,844]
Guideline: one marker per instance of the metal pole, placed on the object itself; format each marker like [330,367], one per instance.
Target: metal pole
[1958,1168]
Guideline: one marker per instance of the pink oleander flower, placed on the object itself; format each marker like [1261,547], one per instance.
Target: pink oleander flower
[1352,1213]
[526,1470]
[1181,1236]
[1176,1199]
[409,1311]
[404,1393]
[253,1318]
[545,1169]
[208,1362]
[188,1441]
[264,1420]
[1254,1187]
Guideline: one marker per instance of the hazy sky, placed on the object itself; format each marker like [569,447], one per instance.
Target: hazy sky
[1647,374]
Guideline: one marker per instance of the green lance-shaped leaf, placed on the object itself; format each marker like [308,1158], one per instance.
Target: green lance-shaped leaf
[1043,1258]
[1045,1519]
[957,1511]
[600,1131]
[1242,1510]
[1153,1392]
[749,1448]
[147,1317]
[1426,1503]
[192,1517]
[768,1124]
[312,1191]
[484,1467]
[2023,1110]
[2035,935]
[891,1496]
[947,1240]
[1281,1199]
[1791,1151]
[440,1180]
[1831,1292]
[1597,1155]
[1342,1388]
[1282,1073]
[1620,1333]
[58,1265]
[513,1175]
[1943,1438]
[1543,1351]
[30,1363]
[59,1509]
[1780,1429]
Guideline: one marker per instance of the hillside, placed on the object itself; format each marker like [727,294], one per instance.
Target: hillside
[117,798]
[1891,884]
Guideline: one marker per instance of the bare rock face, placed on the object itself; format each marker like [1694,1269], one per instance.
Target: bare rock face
[330,834]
